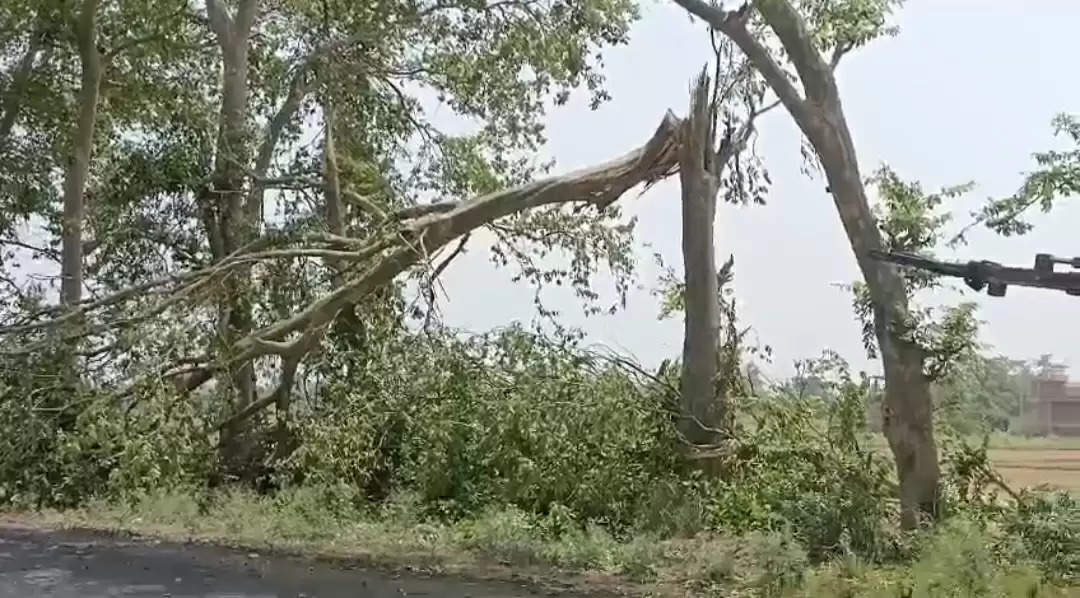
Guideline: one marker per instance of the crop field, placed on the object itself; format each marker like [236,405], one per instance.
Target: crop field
[1031,466]
[1027,462]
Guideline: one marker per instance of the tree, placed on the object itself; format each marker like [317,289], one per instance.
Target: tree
[984,393]
[206,186]
[701,173]
[838,27]
[90,58]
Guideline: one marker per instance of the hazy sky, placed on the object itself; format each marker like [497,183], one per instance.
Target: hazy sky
[964,93]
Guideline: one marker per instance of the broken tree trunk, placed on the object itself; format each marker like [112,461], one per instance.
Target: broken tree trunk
[701,168]
[703,411]
[908,418]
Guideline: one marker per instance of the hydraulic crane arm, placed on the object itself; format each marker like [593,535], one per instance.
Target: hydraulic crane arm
[993,276]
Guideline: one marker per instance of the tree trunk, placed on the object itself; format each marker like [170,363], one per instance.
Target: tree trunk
[71,266]
[908,414]
[228,224]
[908,407]
[335,210]
[702,410]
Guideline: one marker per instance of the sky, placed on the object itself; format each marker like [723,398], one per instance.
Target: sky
[965,92]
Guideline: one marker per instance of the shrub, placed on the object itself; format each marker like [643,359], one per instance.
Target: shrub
[807,463]
[61,445]
[504,419]
[1047,525]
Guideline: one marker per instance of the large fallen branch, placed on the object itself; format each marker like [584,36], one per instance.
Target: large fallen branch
[415,239]
[409,238]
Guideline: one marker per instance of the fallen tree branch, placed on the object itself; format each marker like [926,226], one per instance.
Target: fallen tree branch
[376,260]
[599,185]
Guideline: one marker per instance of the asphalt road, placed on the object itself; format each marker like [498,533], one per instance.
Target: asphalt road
[37,563]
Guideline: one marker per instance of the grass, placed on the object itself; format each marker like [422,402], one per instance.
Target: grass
[499,544]
[507,543]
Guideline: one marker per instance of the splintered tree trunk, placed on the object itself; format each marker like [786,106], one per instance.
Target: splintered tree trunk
[702,410]
[71,266]
[908,419]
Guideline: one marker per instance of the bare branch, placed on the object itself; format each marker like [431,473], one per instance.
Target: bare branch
[291,355]
[86,307]
[738,142]
[453,254]
[838,52]
[298,89]
[789,26]
[45,251]
[433,278]
[369,207]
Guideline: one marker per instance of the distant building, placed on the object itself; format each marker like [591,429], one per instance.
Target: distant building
[1055,405]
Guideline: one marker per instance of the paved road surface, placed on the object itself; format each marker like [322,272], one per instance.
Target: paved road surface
[68,565]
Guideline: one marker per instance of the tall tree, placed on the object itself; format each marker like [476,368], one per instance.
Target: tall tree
[204,173]
[90,59]
[908,415]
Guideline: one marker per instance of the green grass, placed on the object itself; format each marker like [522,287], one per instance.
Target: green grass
[503,543]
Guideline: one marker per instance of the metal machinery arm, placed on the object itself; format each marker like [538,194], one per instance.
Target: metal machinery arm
[993,276]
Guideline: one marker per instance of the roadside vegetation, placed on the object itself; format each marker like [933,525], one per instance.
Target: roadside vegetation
[566,462]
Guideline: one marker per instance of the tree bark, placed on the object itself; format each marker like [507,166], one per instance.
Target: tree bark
[71,253]
[908,418]
[702,410]
[229,225]
[701,166]
[335,210]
